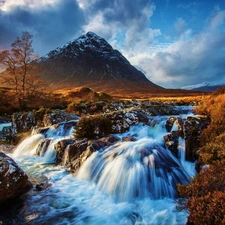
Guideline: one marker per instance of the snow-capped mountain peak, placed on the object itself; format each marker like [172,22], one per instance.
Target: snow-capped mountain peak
[205,86]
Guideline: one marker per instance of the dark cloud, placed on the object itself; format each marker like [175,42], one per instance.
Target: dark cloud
[51,26]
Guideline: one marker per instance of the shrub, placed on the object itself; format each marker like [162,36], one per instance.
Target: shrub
[206,192]
[206,196]
[93,126]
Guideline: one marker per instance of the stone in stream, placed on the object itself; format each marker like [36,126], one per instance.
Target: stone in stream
[13,180]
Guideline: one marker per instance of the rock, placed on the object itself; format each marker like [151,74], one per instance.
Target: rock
[60,147]
[193,125]
[129,138]
[23,121]
[58,116]
[142,117]
[121,121]
[169,123]
[43,186]
[101,143]
[72,153]
[72,157]
[43,146]
[172,142]
[13,181]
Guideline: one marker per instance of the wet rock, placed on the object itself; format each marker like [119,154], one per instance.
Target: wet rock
[60,147]
[103,142]
[40,130]
[142,117]
[192,128]
[172,142]
[13,181]
[72,153]
[43,146]
[129,138]
[23,121]
[174,123]
[121,121]
[169,123]
[58,116]
[43,186]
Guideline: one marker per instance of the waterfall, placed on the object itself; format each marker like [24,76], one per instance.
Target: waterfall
[132,170]
[130,182]
[43,144]
[28,146]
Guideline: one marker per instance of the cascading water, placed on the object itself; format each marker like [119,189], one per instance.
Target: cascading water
[127,183]
[132,170]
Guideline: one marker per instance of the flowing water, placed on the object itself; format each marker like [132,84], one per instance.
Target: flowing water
[129,183]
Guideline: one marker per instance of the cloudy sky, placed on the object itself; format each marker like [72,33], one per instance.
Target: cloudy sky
[174,42]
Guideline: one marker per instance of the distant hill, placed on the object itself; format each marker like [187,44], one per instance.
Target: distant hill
[204,87]
[90,61]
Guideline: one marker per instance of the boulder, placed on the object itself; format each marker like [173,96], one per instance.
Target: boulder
[101,143]
[72,153]
[13,180]
[121,121]
[23,121]
[169,123]
[193,125]
[60,147]
[172,142]
[58,116]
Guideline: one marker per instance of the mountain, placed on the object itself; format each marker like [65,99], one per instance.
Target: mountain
[204,87]
[91,61]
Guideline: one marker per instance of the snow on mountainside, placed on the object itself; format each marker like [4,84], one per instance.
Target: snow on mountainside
[91,61]
[205,86]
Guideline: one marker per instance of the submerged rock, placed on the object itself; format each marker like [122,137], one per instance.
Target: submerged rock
[13,180]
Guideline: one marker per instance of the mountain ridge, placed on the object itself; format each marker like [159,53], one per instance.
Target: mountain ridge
[205,86]
[90,61]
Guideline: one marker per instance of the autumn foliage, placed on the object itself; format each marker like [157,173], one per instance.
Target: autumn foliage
[206,193]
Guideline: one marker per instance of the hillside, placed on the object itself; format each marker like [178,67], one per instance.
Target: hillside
[90,61]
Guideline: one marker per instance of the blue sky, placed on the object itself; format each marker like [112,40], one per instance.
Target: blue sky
[175,43]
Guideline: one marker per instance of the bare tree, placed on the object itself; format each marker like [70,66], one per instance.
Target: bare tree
[21,74]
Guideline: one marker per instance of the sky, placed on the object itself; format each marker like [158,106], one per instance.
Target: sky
[175,43]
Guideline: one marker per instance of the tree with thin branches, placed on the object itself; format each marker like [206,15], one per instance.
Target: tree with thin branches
[21,74]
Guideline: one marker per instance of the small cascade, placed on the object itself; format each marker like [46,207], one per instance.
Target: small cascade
[132,170]
[175,126]
[187,166]
[28,146]
[43,144]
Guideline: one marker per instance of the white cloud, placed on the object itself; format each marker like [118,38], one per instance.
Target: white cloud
[217,19]
[190,59]
[11,4]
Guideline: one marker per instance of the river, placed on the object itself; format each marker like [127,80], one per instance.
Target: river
[129,183]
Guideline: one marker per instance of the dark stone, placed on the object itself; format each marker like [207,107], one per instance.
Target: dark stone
[192,128]
[60,147]
[13,181]
[172,142]
[43,146]
[142,117]
[170,122]
[73,155]
[42,186]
